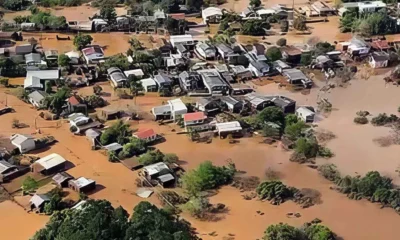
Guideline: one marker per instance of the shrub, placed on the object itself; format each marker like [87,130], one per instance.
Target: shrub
[361,120]
[306,59]
[118,132]
[291,119]
[151,157]
[295,130]
[284,26]
[206,177]
[270,131]
[307,147]
[273,54]
[329,171]
[325,152]
[318,232]
[283,231]
[112,156]
[281,42]
[274,191]
[4,81]
[383,119]
[170,158]
[197,207]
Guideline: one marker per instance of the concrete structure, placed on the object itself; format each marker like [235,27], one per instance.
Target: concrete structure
[24,143]
[181,39]
[149,85]
[48,165]
[178,108]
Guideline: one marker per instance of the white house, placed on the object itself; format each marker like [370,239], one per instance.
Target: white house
[361,7]
[305,114]
[211,15]
[258,68]
[36,98]
[182,39]
[73,57]
[228,127]
[149,85]
[135,72]
[379,59]
[116,76]
[178,108]
[35,79]
[78,119]
[24,143]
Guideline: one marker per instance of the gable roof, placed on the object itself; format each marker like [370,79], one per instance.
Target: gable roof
[155,168]
[4,166]
[38,199]
[38,95]
[18,139]
[291,50]
[62,177]
[144,133]
[113,147]
[82,182]
[196,116]
[51,161]
[74,100]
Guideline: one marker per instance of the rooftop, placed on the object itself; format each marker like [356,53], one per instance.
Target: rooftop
[4,166]
[144,133]
[211,11]
[38,199]
[51,161]
[177,104]
[82,182]
[18,139]
[113,147]
[196,116]
[155,168]
[291,50]
[37,96]
[61,177]
[228,126]
[166,178]
[294,74]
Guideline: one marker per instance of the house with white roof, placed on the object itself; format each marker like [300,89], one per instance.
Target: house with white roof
[226,128]
[211,15]
[82,185]
[23,142]
[149,85]
[159,172]
[186,40]
[35,79]
[172,110]
[48,165]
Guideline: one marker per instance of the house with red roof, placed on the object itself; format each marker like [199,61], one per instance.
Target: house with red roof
[195,118]
[148,135]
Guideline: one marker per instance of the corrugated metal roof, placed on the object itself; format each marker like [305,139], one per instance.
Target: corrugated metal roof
[51,161]
[228,126]
[82,182]
[144,133]
[194,116]
[18,139]
[113,147]
[166,178]
[38,199]
[155,168]
[61,177]
[4,166]
[37,96]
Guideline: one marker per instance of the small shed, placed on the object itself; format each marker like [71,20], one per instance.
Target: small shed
[38,201]
[82,185]
[166,180]
[24,143]
[51,55]
[305,114]
[226,128]
[48,165]
[62,178]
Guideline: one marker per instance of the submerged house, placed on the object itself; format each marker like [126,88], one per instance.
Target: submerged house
[211,15]
[210,105]
[34,61]
[297,77]
[8,171]
[205,51]
[291,54]
[82,185]
[227,128]
[258,68]
[61,179]
[35,79]
[232,104]
[163,81]
[36,98]
[93,54]
[194,118]
[149,85]
[48,165]
[379,59]
[224,51]
[305,114]
[23,142]
[213,82]
[159,172]
[38,201]
[117,77]
[147,135]
[174,109]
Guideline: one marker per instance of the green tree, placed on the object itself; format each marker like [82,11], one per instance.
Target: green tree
[56,101]
[306,59]
[255,3]
[295,130]
[323,47]
[319,232]
[197,206]
[118,132]
[255,27]
[282,231]
[21,19]
[281,42]
[307,147]
[29,185]
[273,115]
[108,12]
[135,85]
[207,176]
[273,54]
[135,44]
[151,157]
[55,22]
[271,131]
[120,61]
[48,88]
[82,40]
[63,60]
[136,146]
[15,5]
[348,20]
[171,158]
[291,119]
[274,191]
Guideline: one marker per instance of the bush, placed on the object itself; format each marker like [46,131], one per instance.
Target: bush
[270,131]
[306,59]
[170,158]
[325,152]
[307,147]
[273,54]
[273,115]
[281,42]
[383,119]
[95,101]
[112,156]
[318,232]
[283,231]
[291,119]
[361,120]
[118,132]
[151,157]
[206,177]
[197,207]
[284,26]
[135,147]
[295,130]
[274,191]
[300,23]
[329,171]
[82,40]
[255,27]
[4,81]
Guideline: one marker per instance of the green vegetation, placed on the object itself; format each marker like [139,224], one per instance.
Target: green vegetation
[206,177]
[367,24]
[66,3]
[255,27]
[4,81]
[120,61]
[197,207]
[306,59]
[383,119]
[299,23]
[94,101]
[63,60]
[273,54]
[281,42]
[99,220]
[310,231]
[255,3]
[294,130]
[329,171]
[361,120]
[151,157]
[15,5]
[275,191]
[44,20]
[82,40]
[56,101]
[55,203]
[29,185]
[118,132]
[108,12]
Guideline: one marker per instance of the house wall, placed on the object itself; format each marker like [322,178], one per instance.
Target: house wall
[39,169]
[254,71]
[188,123]
[26,146]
